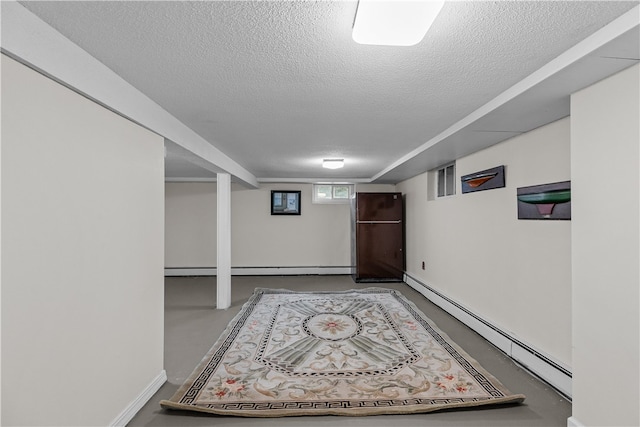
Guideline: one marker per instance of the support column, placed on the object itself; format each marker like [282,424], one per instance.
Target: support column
[223,266]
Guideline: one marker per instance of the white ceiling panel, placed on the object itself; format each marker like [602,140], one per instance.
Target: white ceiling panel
[277,86]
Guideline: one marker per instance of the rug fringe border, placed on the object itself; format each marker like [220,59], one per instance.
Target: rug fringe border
[356,412]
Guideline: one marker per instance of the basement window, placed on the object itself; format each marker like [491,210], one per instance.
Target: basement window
[447,180]
[332,193]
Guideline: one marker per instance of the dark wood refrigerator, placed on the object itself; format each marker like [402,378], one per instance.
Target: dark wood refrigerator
[377,247]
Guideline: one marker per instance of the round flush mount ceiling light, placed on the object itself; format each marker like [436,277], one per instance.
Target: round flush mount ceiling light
[333,163]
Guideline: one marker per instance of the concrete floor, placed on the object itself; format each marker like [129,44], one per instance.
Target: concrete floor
[192,325]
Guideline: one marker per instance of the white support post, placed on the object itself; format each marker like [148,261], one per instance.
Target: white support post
[223,267]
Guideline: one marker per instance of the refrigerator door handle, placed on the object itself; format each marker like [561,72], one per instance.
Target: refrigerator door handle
[380,222]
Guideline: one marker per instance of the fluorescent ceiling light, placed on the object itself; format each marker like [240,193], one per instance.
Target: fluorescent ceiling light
[332,163]
[394,23]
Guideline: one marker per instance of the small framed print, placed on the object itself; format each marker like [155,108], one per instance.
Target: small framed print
[285,202]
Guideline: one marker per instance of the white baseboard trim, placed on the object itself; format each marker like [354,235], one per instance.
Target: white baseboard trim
[258,271]
[171,272]
[535,361]
[132,408]
[572,422]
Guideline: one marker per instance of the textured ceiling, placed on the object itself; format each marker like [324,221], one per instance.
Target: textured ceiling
[279,85]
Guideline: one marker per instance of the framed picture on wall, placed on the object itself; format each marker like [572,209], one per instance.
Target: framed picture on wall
[285,202]
[547,201]
[483,180]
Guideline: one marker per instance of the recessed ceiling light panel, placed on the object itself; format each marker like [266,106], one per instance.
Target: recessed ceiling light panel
[394,23]
[333,163]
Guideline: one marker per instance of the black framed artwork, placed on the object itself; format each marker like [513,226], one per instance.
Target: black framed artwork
[483,180]
[284,202]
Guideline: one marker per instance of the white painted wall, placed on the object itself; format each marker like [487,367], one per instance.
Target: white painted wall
[605,135]
[190,224]
[82,284]
[514,273]
[320,237]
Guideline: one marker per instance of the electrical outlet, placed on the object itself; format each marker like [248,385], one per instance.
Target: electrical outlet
[423,266]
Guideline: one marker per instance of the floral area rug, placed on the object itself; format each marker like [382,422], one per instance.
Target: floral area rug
[359,352]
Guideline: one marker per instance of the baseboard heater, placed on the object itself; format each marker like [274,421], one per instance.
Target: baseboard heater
[259,271]
[532,360]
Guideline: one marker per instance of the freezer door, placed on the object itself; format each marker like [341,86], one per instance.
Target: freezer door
[379,206]
[379,252]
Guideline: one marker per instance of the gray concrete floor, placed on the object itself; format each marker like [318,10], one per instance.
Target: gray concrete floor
[192,325]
